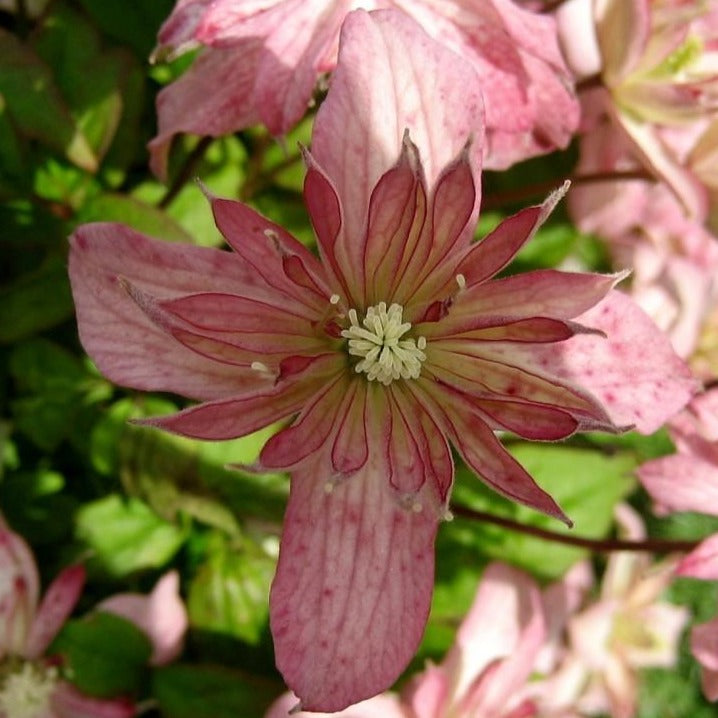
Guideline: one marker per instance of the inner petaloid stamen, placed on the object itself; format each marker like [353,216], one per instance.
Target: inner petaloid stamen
[385,356]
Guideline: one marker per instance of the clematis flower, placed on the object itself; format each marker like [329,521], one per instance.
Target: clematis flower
[30,683]
[260,62]
[658,68]
[379,352]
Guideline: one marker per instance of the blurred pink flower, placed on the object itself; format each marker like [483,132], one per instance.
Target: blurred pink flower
[704,646]
[392,343]
[31,684]
[260,62]
[658,67]
[161,615]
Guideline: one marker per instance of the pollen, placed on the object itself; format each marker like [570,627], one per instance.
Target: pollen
[26,692]
[377,340]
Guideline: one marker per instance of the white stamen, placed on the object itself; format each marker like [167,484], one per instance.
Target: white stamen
[328,487]
[26,692]
[416,507]
[461,281]
[385,356]
[271,234]
[260,367]
[334,299]
[447,515]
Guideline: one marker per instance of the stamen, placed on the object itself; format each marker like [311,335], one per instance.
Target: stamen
[385,356]
[26,692]
[461,281]
[334,299]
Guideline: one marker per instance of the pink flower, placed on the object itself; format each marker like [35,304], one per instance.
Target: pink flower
[704,646]
[261,61]
[161,615]
[30,684]
[392,343]
[658,66]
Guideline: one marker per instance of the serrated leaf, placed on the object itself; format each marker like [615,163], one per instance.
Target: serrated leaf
[230,592]
[587,485]
[36,105]
[105,655]
[126,536]
[198,691]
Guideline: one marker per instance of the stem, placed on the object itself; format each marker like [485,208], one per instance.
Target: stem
[596,545]
[551,5]
[185,172]
[541,189]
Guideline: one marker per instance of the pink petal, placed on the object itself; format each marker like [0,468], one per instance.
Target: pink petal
[180,27]
[623,29]
[353,586]
[490,255]
[55,608]
[19,591]
[68,702]
[681,483]
[215,96]
[373,107]
[702,562]
[161,615]
[124,343]
[428,694]
[243,414]
[483,452]
[634,372]
[350,449]
[704,646]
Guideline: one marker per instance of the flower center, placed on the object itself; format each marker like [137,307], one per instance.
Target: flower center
[385,356]
[25,693]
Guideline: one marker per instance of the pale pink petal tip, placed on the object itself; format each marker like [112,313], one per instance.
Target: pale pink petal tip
[161,615]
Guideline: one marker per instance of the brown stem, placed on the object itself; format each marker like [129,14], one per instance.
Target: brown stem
[185,172]
[551,5]
[596,545]
[541,189]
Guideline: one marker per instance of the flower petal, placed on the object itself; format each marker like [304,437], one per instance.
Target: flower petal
[702,562]
[634,372]
[243,414]
[68,702]
[56,606]
[124,343]
[353,586]
[385,705]
[372,107]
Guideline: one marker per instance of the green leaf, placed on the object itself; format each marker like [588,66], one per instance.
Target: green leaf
[134,213]
[36,105]
[126,536]
[105,655]
[35,301]
[587,485]
[200,691]
[230,592]
[54,389]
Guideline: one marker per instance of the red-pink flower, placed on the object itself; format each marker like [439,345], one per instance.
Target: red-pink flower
[390,344]
[261,61]
[29,683]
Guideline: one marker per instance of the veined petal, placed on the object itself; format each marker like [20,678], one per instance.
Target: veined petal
[483,452]
[125,344]
[634,372]
[370,107]
[385,705]
[243,414]
[491,254]
[350,450]
[265,247]
[541,293]
[702,562]
[353,586]
[311,430]
[56,606]
[681,483]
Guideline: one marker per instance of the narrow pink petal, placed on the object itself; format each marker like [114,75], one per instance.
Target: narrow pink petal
[498,248]
[68,702]
[243,414]
[124,343]
[634,372]
[353,586]
[265,247]
[369,107]
[310,431]
[702,562]
[56,606]
[350,450]
[483,452]
[704,646]
[182,23]
[19,591]
[161,615]
[623,28]
[215,97]
[428,694]
[681,483]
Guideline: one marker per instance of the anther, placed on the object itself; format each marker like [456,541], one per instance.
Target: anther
[334,299]
[461,281]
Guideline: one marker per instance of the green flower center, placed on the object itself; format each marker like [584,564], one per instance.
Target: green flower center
[385,356]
